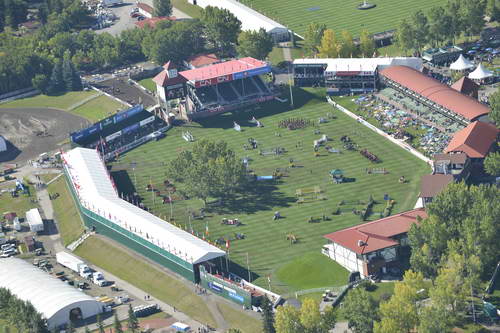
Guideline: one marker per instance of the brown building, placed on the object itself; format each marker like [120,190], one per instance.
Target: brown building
[432,185]
[476,140]
[467,87]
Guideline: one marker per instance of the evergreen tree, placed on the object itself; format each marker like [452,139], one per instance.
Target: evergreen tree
[67,71]
[2,14]
[133,323]
[43,12]
[56,83]
[117,325]
[267,315]
[162,7]
[100,325]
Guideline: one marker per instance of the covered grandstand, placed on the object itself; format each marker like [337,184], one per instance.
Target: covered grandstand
[346,75]
[216,88]
[103,210]
[434,94]
[249,18]
[58,302]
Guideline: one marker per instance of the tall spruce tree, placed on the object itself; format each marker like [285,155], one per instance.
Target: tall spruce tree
[267,315]
[133,323]
[67,71]
[56,83]
[162,7]
[117,325]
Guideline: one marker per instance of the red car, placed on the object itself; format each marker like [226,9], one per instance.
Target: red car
[135,14]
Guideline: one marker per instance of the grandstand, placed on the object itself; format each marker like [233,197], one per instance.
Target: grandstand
[343,76]
[433,94]
[216,88]
[120,132]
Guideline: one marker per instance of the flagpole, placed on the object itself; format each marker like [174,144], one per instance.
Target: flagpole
[248,268]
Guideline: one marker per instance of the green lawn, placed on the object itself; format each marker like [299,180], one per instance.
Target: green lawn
[99,108]
[62,102]
[237,319]
[146,277]
[68,220]
[276,56]
[187,8]
[312,270]
[148,84]
[340,14]
[20,204]
[265,240]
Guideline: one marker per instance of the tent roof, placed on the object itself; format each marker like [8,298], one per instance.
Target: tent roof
[47,294]
[98,194]
[461,64]
[480,73]
[361,64]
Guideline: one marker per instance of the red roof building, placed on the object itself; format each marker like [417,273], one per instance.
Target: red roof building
[436,94]
[369,247]
[476,140]
[467,87]
[202,60]
[145,9]
[152,21]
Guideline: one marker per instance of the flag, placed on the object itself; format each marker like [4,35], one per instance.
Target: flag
[227,244]
[206,228]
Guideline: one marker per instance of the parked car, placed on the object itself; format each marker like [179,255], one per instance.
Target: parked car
[140,18]
[135,14]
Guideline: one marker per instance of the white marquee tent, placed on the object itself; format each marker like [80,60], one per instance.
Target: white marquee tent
[461,64]
[366,65]
[3,144]
[98,194]
[51,297]
[480,73]
[250,19]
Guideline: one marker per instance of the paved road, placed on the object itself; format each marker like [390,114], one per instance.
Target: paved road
[125,22]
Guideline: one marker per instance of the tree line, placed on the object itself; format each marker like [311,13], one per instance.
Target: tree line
[445,24]
[325,43]
[56,52]
[20,314]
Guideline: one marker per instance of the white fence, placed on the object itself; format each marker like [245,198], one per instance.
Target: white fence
[400,143]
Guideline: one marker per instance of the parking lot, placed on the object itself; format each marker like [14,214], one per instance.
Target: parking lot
[124,21]
[122,89]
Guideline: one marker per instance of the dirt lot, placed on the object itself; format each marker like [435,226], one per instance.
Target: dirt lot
[30,132]
[119,88]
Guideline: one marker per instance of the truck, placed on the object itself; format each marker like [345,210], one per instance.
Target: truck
[98,279]
[75,264]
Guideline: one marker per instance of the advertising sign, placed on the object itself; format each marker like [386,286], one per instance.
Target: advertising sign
[147,121]
[252,72]
[130,128]
[106,122]
[215,287]
[127,113]
[94,129]
[237,297]
[113,136]
[214,81]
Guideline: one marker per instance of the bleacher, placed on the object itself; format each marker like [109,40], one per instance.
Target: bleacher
[227,92]
[207,95]
[258,81]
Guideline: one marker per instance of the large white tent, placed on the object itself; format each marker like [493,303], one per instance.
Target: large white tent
[480,73]
[3,144]
[461,64]
[55,300]
[97,193]
[366,65]
[250,19]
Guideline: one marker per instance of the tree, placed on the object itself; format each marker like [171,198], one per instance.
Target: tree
[255,44]
[472,13]
[360,311]
[67,72]
[455,27]
[267,315]
[211,169]
[40,82]
[100,325]
[2,16]
[329,47]
[233,330]
[43,12]
[87,329]
[366,44]
[494,100]
[492,10]
[133,322]
[434,319]
[117,325]
[287,320]
[405,36]
[347,48]
[420,29]
[162,7]
[222,28]
[56,83]
[439,23]
[492,164]
[399,314]
[312,38]
[15,12]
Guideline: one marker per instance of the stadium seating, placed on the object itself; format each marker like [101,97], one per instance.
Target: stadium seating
[262,86]
[207,95]
[227,92]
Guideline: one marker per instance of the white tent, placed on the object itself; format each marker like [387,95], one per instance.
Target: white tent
[461,64]
[3,144]
[34,220]
[480,73]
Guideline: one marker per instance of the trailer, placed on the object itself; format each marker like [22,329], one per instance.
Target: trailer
[34,220]
[75,264]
